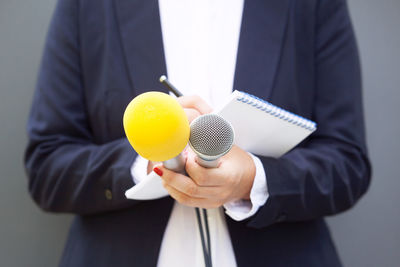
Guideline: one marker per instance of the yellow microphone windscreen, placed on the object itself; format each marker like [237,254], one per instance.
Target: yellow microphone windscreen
[156,126]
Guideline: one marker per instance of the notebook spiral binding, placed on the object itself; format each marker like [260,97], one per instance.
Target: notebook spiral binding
[273,110]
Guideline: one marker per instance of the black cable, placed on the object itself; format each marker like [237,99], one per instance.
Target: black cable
[206,248]
[207,256]
[205,215]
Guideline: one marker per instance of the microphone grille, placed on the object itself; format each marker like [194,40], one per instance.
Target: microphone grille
[211,136]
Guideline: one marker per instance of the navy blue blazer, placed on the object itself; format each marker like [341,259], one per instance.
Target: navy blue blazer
[298,54]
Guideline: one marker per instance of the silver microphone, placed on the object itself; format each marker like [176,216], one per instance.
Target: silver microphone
[211,137]
[176,164]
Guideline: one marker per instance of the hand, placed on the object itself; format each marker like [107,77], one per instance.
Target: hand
[194,106]
[211,188]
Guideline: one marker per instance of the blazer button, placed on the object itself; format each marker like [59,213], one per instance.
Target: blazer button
[282,217]
[108,194]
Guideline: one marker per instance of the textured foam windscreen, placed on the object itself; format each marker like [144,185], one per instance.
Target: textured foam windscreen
[156,126]
[211,136]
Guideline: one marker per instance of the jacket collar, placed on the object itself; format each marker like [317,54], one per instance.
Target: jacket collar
[260,42]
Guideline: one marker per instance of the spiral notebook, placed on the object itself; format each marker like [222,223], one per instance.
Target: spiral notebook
[263,128]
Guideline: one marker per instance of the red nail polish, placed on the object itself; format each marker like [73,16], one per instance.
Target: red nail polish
[158,171]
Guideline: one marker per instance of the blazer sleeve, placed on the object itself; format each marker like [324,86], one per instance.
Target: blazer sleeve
[330,171]
[67,170]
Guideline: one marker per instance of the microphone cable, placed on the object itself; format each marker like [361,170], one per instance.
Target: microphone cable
[205,240]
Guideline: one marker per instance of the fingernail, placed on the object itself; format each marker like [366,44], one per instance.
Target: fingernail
[158,171]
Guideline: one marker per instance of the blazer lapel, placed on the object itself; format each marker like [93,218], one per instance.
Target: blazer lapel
[262,33]
[140,30]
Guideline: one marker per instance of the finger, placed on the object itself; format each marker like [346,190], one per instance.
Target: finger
[191,114]
[192,201]
[195,102]
[188,187]
[151,164]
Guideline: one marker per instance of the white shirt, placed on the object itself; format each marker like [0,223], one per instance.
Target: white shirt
[200,39]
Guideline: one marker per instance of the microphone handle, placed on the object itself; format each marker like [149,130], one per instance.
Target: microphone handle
[207,163]
[176,164]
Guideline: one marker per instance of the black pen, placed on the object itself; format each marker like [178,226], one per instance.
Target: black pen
[164,80]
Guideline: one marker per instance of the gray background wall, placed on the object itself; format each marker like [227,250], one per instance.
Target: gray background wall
[368,235]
